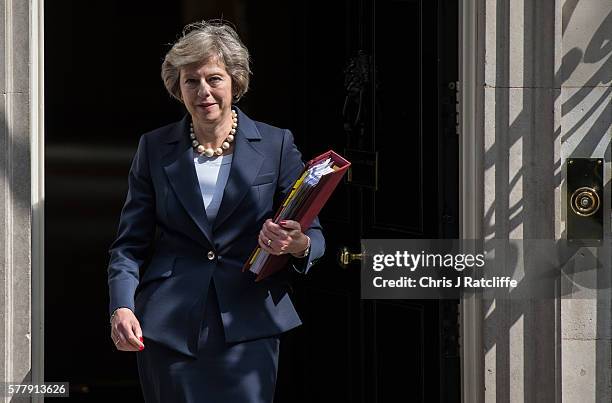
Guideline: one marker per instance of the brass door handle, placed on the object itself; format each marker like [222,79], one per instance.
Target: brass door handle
[345,257]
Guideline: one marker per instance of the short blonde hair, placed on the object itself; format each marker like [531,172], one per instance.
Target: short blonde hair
[201,41]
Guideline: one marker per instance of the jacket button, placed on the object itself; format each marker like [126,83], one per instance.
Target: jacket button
[211,255]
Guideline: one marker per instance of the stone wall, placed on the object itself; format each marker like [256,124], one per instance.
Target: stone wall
[547,97]
[15,193]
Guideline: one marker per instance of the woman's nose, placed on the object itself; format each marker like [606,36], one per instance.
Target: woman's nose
[203,91]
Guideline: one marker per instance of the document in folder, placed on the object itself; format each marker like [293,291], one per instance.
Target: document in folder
[303,203]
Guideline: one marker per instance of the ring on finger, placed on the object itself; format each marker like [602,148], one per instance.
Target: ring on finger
[269,242]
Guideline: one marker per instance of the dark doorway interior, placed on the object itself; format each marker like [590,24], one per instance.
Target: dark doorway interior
[398,60]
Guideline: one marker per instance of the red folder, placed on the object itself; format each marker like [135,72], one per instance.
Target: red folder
[311,208]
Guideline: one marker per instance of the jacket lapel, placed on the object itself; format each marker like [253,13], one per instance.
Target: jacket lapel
[178,164]
[246,163]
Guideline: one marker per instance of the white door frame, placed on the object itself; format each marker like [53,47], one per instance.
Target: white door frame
[471,123]
[37,152]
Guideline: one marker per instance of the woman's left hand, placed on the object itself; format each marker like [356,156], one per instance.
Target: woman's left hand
[284,238]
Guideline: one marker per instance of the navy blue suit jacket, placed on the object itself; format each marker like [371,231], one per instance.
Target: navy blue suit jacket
[164,234]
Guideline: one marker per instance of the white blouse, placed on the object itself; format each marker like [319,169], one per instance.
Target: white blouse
[212,175]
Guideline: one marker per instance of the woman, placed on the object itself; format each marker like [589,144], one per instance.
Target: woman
[201,194]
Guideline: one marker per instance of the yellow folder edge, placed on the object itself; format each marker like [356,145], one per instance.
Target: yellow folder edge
[296,185]
[254,256]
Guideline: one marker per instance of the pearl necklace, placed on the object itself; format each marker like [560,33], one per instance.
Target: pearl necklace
[209,152]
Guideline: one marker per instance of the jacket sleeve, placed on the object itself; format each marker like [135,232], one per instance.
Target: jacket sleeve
[290,169]
[136,231]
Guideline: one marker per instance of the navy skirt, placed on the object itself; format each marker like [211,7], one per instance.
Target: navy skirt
[221,373]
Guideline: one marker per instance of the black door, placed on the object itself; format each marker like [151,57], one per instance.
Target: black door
[371,80]
[394,119]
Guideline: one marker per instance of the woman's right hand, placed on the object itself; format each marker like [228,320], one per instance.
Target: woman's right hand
[125,331]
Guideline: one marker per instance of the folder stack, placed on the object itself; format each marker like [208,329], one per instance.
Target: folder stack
[307,197]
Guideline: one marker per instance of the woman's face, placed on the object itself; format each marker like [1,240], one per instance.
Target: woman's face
[206,89]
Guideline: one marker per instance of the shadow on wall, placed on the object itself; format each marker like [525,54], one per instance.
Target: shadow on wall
[524,166]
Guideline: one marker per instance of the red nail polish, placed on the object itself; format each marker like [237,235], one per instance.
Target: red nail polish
[141,348]
[283,222]
[141,339]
